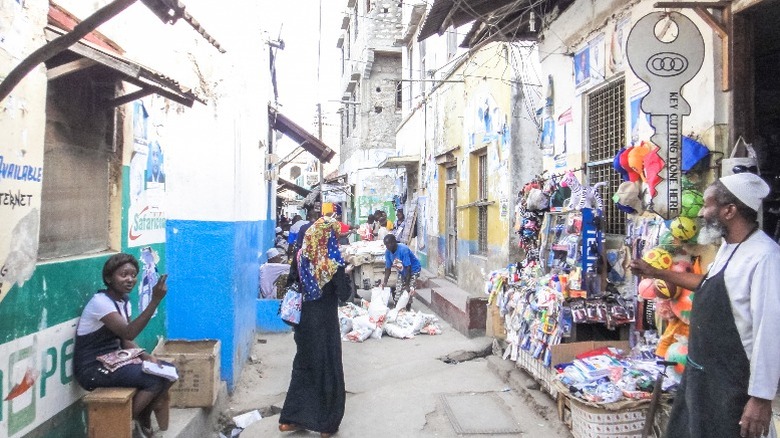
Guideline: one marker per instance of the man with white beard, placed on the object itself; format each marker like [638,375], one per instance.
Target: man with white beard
[733,364]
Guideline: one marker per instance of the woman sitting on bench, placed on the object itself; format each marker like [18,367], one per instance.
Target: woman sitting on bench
[105,327]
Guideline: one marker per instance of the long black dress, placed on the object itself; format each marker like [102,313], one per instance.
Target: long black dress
[316,397]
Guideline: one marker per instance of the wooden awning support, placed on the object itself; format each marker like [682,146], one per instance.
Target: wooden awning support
[52,48]
[722,25]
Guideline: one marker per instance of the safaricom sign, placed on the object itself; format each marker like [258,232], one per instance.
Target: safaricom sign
[147,226]
[47,356]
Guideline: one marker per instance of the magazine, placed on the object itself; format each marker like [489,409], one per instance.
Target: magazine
[160,369]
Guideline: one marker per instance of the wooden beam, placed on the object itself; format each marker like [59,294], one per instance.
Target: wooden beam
[127,98]
[711,21]
[52,48]
[722,26]
[109,61]
[173,95]
[680,5]
[69,68]
[727,48]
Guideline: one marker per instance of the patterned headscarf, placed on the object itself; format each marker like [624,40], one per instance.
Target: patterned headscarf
[320,257]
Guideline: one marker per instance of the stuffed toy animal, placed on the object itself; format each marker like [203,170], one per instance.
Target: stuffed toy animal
[582,196]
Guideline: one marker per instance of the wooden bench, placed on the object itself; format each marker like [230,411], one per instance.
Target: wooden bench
[110,412]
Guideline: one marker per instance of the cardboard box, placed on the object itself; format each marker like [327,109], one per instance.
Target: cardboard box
[198,365]
[494,326]
[568,352]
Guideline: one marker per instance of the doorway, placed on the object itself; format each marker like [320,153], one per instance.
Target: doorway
[757,90]
[451,224]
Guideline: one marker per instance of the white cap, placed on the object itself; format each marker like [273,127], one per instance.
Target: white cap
[271,253]
[278,229]
[748,187]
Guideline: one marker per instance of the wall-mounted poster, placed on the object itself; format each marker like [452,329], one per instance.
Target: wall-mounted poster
[146,213]
[548,136]
[596,51]
[564,119]
[639,122]
[582,67]
[617,45]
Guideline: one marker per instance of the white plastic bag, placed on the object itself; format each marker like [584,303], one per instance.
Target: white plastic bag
[402,301]
[345,324]
[399,332]
[359,335]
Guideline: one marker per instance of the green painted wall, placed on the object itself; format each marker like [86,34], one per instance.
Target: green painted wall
[57,294]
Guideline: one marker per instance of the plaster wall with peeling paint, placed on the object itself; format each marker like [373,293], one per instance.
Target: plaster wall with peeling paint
[586,25]
[212,216]
[480,109]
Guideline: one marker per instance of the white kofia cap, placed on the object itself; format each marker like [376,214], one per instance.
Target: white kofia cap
[748,187]
[271,253]
[278,229]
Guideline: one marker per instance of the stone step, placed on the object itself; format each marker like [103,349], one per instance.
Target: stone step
[464,311]
[196,422]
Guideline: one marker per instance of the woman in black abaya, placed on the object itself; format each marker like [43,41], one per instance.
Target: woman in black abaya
[316,397]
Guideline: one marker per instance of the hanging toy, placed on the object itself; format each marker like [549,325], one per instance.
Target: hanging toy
[678,352]
[684,228]
[653,164]
[636,158]
[658,258]
[692,202]
[582,196]
[665,289]
[646,289]
[669,242]
[633,176]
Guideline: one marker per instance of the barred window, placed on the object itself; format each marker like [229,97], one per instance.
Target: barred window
[606,135]
[482,209]
[399,96]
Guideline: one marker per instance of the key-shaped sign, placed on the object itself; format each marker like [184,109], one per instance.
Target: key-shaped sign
[665,67]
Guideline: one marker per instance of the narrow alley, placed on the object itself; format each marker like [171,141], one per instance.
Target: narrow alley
[579,195]
[406,388]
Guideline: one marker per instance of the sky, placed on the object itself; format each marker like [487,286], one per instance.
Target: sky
[296,65]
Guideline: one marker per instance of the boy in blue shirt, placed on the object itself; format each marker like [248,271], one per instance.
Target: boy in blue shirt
[408,266]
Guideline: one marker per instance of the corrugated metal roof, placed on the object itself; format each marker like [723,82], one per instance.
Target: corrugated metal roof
[435,18]
[446,13]
[170,11]
[308,142]
[283,184]
[130,70]
[507,20]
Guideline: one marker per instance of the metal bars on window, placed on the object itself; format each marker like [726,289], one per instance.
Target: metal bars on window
[482,219]
[606,135]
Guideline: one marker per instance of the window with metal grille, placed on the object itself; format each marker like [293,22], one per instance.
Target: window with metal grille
[398,95]
[606,135]
[452,43]
[482,213]
[423,84]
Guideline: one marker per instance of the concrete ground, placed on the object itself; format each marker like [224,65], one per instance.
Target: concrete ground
[401,388]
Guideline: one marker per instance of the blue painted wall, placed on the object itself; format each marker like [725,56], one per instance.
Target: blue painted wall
[213,285]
